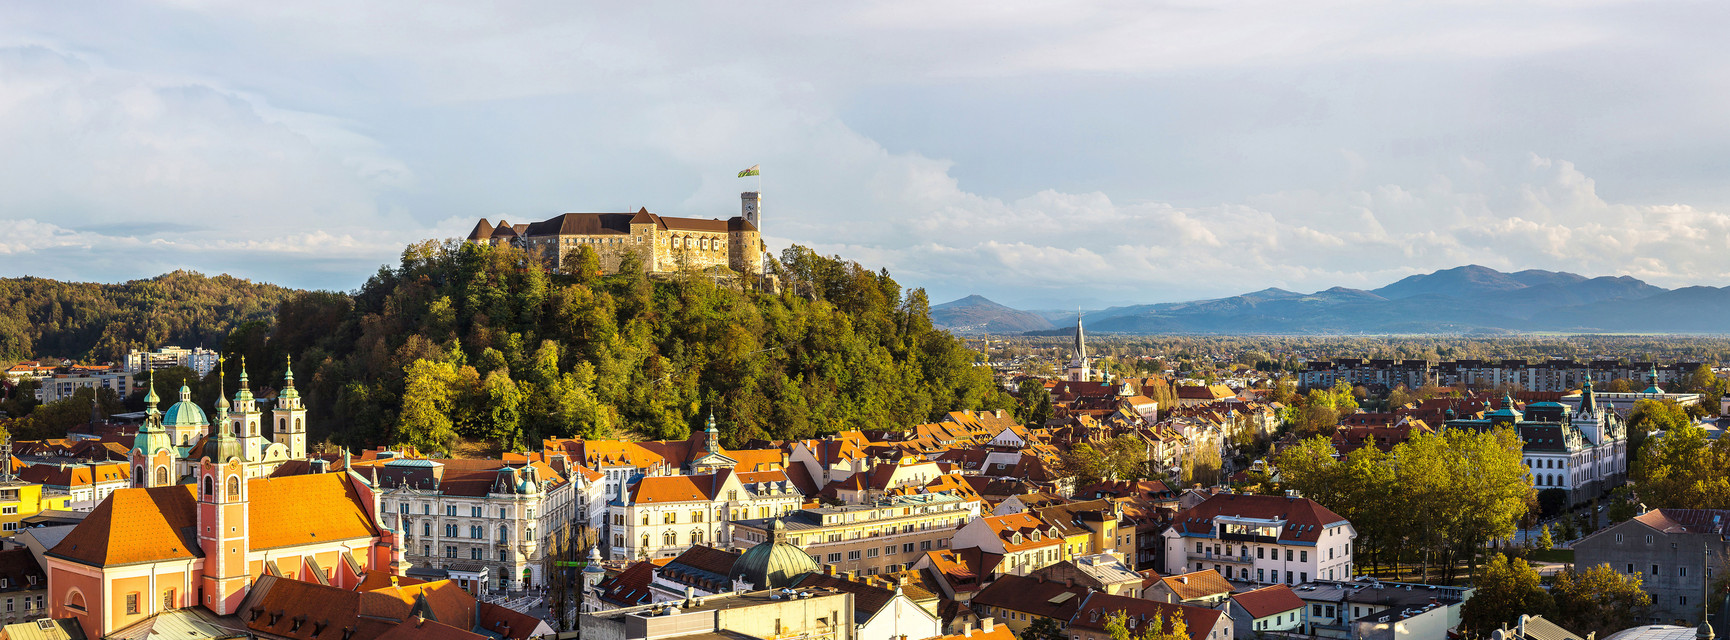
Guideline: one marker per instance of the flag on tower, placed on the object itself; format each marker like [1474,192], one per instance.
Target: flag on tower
[751,171]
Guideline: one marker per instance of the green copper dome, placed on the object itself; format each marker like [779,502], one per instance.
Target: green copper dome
[773,564]
[185,413]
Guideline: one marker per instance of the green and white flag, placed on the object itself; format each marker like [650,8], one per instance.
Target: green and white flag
[751,171]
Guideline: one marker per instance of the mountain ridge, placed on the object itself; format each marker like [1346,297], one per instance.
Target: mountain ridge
[1464,299]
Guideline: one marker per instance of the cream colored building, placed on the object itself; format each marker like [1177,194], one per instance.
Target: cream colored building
[661,516]
[883,537]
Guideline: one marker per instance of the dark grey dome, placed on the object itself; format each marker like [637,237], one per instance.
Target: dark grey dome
[773,564]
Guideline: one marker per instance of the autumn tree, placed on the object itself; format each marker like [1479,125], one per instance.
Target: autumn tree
[1598,600]
[425,421]
[1504,590]
[1033,402]
[1683,469]
[1120,458]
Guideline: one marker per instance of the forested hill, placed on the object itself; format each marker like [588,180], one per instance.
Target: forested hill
[462,341]
[101,322]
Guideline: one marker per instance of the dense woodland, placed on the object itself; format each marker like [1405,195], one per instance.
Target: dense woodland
[465,342]
[88,321]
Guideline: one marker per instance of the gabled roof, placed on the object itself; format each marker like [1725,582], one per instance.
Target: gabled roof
[1268,601]
[149,525]
[630,587]
[1032,596]
[1094,614]
[654,489]
[867,599]
[966,569]
[1025,525]
[1304,518]
[135,525]
[1713,521]
[1197,584]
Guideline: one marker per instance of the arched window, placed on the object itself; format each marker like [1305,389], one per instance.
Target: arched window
[297,426]
[162,476]
[209,486]
[645,541]
[696,537]
[75,600]
[234,487]
[504,533]
[138,473]
[669,538]
[281,424]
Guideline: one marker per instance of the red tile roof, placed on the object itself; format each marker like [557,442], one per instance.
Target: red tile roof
[655,489]
[1096,612]
[1197,584]
[148,525]
[1304,518]
[1268,601]
[1032,596]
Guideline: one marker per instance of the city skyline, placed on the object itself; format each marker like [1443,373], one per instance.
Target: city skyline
[1045,156]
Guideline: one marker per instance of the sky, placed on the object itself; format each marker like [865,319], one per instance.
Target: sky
[1047,155]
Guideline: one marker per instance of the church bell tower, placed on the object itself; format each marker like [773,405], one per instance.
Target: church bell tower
[222,516]
[247,418]
[290,417]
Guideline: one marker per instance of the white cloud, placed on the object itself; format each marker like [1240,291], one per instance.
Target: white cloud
[1336,143]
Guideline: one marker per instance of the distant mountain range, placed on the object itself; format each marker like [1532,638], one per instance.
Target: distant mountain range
[975,314]
[1469,299]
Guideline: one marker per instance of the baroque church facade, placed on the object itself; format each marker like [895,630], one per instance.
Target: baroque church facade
[170,444]
[665,244]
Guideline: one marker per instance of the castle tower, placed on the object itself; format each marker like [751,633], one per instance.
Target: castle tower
[290,417]
[152,450]
[247,419]
[751,207]
[222,517]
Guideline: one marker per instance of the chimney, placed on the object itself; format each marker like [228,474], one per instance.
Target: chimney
[987,624]
[967,631]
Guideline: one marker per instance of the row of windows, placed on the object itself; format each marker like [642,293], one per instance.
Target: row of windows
[1261,575]
[1681,572]
[474,554]
[451,511]
[1303,555]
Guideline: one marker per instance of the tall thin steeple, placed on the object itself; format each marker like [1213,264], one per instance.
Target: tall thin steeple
[1588,398]
[1080,339]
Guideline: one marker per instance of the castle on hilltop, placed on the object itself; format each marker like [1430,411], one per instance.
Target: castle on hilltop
[665,244]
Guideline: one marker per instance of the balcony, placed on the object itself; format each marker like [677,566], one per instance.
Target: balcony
[1220,557]
[1248,537]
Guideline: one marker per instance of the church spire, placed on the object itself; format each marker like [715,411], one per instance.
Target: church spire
[150,398]
[711,438]
[288,382]
[221,422]
[1080,339]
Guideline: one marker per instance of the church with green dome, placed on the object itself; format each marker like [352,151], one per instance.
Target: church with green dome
[170,444]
